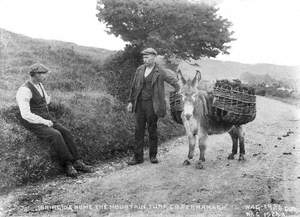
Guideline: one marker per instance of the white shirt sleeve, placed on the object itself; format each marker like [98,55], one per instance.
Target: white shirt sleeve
[23,97]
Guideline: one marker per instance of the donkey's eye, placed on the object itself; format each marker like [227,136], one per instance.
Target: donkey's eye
[194,97]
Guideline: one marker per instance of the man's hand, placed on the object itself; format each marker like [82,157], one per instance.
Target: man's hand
[48,123]
[129,107]
[48,99]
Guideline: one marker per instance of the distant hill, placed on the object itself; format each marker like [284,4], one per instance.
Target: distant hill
[75,66]
[72,66]
[283,76]
[215,69]
[287,76]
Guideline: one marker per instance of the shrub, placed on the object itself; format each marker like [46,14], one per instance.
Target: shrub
[260,91]
[119,70]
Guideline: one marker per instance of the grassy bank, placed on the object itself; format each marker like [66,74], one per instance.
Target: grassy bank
[100,124]
[81,101]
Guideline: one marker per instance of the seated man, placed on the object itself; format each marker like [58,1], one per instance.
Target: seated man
[33,103]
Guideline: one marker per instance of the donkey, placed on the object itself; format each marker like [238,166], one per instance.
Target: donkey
[198,123]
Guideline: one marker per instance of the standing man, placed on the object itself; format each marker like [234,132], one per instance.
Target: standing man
[33,103]
[147,101]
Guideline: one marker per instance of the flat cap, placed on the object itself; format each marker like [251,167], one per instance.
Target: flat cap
[149,50]
[38,68]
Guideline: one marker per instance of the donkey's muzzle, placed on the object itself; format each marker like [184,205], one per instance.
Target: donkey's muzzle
[188,116]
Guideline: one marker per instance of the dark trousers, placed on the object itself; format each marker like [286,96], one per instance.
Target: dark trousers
[60,138]
[145,114]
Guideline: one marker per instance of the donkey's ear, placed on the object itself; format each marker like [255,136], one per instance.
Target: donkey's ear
[181,79]
[198,75]
[197,78]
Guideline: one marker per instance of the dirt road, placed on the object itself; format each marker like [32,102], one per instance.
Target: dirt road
[266,184]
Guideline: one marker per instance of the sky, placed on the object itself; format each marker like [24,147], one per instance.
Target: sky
[266,31]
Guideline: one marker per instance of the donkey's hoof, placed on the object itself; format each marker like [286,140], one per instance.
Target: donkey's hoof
[242,157]
[186,163]
[202,159]
[199,165]
[230,157]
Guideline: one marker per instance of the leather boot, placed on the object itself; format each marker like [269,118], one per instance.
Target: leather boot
[79,165]
[153,160]
[71,171]
[134,161]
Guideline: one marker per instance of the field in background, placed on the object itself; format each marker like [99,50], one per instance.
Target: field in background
[274,81]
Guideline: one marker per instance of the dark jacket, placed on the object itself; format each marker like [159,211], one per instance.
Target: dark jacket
[160,75]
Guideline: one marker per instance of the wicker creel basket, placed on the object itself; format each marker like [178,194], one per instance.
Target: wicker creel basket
[176,106]
[234,102]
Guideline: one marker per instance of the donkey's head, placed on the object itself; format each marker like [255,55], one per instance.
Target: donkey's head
[188,91]
[194,102]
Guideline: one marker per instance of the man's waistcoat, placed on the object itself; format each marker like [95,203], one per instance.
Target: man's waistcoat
[147,90]
[38,104]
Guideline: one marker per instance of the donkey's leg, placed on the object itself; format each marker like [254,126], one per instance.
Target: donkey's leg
[241,136]
[192,143]
[202,147]
[234,137]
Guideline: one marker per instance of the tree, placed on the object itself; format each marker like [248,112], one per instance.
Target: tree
[177,28]
[182,28]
